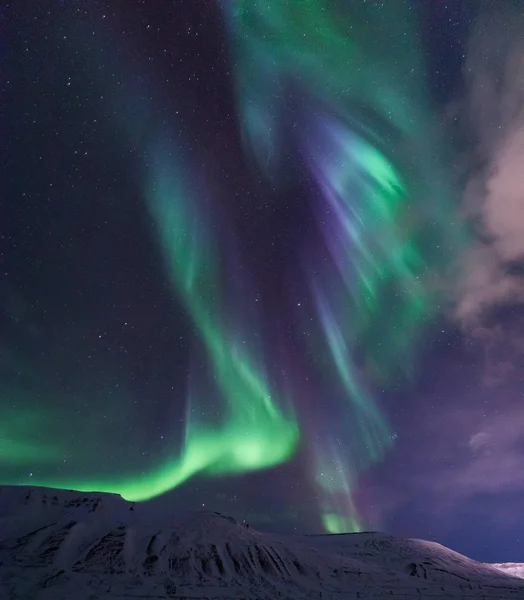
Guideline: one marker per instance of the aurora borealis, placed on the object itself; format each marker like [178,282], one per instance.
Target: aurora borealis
[370,211]
[235,238]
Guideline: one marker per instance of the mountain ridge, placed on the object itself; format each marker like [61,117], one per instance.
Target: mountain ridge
[64,544]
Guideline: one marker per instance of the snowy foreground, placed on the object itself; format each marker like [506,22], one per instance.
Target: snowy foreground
[57,545]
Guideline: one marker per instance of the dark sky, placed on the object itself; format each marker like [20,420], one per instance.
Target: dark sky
[145,142]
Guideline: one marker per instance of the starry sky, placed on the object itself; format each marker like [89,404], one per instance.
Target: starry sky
[266,258]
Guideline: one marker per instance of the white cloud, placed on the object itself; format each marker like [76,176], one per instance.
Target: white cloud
[494,197]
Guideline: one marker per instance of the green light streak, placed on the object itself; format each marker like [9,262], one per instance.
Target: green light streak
[353,76]
[340,55]
[377,261]
[257,434]
[254,432]
[255,428]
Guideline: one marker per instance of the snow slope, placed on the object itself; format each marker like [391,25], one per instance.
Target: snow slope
[65,545]
[514,569]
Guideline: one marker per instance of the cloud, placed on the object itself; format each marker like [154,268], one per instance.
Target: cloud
[489,461]
[479,441]
[474,468]
[460,449]
[493,110]
[481,453]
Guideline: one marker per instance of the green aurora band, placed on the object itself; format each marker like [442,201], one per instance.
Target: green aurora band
[246,423]
[253,433]
[324,75]
[361,124]
[256,433]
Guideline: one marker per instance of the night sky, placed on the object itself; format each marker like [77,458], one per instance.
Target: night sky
[266,258]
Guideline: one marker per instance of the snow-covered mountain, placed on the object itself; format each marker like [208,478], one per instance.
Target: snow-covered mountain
[62,545]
